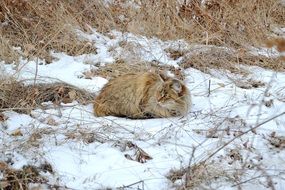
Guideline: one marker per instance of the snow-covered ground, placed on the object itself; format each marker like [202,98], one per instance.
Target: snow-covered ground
[87,152]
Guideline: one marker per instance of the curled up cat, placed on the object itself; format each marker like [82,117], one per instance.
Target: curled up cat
[143,95]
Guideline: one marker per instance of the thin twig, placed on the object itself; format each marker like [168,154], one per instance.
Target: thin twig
[241,134]
[209,88]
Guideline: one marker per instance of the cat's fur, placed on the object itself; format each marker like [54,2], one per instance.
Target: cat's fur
[143,95]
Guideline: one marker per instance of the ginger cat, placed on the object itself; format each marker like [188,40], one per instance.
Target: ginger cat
[143,95]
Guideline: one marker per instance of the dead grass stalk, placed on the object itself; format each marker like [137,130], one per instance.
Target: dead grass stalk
[18,97]
[40,26]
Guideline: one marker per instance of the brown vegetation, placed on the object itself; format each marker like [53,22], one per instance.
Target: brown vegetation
[120,67]
[195,176]
[221,58]
[40,26]
[19,179]
[23,98]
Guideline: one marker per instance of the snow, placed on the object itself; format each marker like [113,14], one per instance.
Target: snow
[87,152]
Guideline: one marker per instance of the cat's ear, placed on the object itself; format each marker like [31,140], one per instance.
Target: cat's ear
[176,85]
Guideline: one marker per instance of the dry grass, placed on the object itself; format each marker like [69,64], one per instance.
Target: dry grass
[40,26]
[227,23]
[19,179]
[24,98]
[235,23]
[121,67]
[221,58]
[196,176]
[7,53]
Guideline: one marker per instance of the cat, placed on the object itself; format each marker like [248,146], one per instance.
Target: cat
[143,95]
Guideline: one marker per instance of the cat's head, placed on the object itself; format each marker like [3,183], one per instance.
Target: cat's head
[173,95]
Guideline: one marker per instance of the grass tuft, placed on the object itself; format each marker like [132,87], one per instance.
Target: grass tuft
[22,98]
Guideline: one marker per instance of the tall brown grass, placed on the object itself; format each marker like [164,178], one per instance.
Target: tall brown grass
[40,26]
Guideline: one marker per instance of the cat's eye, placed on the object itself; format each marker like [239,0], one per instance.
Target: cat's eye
[162,95]
[173,112]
